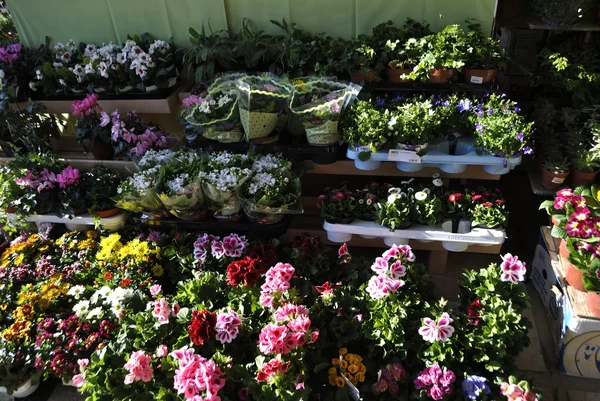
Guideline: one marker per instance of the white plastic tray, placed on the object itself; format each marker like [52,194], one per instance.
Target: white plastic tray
[437,156]
[81,222]
[450,241]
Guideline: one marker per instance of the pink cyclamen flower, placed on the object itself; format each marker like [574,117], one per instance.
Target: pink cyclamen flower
[139,368]
[441,330]
[162,351]
[234,245]
[513,269]
[227,326]
[155,290]
[104,119]
[161,310]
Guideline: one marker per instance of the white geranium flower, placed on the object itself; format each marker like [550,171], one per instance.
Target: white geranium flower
[103,70]
[392,122]
[81,308]
[421,196]
[121,58]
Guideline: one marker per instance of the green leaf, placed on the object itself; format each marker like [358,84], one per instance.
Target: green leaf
[559,232]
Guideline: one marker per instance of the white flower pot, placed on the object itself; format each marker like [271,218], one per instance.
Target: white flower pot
[26,389]
[409,167]
[455,246]
[496,170]
[338,237]
[151,88]
[453,168]
[367,165]
[390,241]
[464,226]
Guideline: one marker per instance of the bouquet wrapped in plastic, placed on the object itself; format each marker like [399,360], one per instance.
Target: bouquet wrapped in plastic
[139,193]
[181,191]
[261,101]
[224,173]
[213,114]
[271,191]
[318,103]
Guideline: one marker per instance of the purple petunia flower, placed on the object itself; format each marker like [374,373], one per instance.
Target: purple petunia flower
[520,136]
[380,102]
[527,150]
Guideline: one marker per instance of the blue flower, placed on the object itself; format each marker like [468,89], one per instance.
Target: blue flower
[464,105]
[527,150]
[445,103]
[490,111]
[475,386]
[520,136]
[380,102]
[517,109]
[479,128]
[398,98]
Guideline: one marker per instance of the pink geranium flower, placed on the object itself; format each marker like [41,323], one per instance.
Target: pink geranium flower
[227,327]
[234,245]
[513,269]
[155,290]
[441,330]
[161,310]
[381,286]
[139,368]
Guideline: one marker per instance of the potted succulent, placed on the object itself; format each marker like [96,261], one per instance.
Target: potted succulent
[444,55]
[501,129]
[484,56]
[337,205]
[101,184]
[555,171]
[403,58]
[91,128]
[396,211]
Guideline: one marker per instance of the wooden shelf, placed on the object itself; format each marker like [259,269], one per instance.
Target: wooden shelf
[167,105]
[346,167]
[574,28]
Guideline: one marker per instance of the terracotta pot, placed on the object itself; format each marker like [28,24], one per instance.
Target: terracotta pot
[562,249]
[442,76]
[107,213]
[360,76]
[593,303]
[574,276]
[578,177]
[79,212]
[103,151]
[393,74]
[552,180]
[481,77]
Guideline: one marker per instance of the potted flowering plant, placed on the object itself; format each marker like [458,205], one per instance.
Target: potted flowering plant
[484,56]
[18,375]
[181,192]
[91,128]
[271,191]
[404,58]
[133,136]
[139,193]
[319,105]
[396,211]
[101,185]
[224,174]
[427,208]
[501,128]
[413,124]
[487,209]
[554,171]
[365,127]
[367,199]
[361,61]
[261,99]
[337,205]
[456,208]
[71,193]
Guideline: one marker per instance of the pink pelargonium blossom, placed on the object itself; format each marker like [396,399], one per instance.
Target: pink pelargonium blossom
[217,249]
[161,310]
[162,351]
[68,177]
[402,252]
[197,378]
[380,266]
[381,286]
[227,327]
[290,311]
[441,330]
[139,368]
[272,339]
[234,245]
[513,269]
[155,290]
[301,324]
[78,380]
[397,270]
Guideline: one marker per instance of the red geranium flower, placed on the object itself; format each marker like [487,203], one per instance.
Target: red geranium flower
[473,312]
[246,271]
[202,327]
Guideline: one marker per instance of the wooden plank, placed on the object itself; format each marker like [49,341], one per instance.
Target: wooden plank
[167,105]
[346,167]
[437,262]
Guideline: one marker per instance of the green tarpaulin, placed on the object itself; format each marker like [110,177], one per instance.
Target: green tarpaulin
[102,21]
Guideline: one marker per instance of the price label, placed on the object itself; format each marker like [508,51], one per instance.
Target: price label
[558,180]
[476,80]
[406,156]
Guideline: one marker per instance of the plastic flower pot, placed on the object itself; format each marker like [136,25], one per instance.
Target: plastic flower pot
[106,213]
[192,217]
[574,276]
[258,124]
[391,241]
[360,76]
[394,74]
[593,303]
[478,76]
[551,180]
[442,76]
[456,226]
[347,220]
[27,388]
[103,151]
[229,218]
[455,246]
[579,177]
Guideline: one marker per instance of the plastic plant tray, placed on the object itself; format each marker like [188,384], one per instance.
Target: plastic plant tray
[450,241]
[437,156]
[303,151]
[82,222]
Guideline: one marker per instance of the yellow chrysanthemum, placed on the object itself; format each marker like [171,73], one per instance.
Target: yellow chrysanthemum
[343,351]
[360,377]
[24,312]
[362,368]
[157,270]
[19,259]
[340,382]
[333,371]
[344,363]
[332,380]
[353,368]
[350,377]
[18,332]
[335,361]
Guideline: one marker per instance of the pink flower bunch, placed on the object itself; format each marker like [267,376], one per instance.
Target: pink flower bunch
[382,286]
[227,326]
[390,268]
[515,392]
[192,100]
[277,280]
[139,368]
[162,351]
[46,180]
[138,136]
[389,379]
[437,331]
[79,379]
[151,138]
[197,375]
[581,223]
[69,176]
[436,381]
[86,106]
[275,339]
[161,310]
[10,53]
[290,311]
[513,269]
[232,246]
[201,247]
[275,367]
[155,290]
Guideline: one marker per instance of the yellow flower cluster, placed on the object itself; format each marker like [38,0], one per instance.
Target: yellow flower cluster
[24,312]
[109,246]
[18,332]
[43,296]
[350,365]
[19,250]
[137,251]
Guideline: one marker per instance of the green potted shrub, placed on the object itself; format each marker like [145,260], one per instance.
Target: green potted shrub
[427,208]
[484,56]
[337,205]
[555,170]
[584,168]
[208,53]
[403,59]
[362,61]
[101,185]
[365,126]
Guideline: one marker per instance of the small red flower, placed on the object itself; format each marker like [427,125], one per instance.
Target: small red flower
[126,282]
[202,327]
[108,275]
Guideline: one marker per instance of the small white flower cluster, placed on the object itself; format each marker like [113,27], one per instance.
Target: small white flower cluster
[140,181]
[270,162]
[112,56]
[155,157]
[225,179]
[190,156]
[227,159]
[177,184]
[103,297]
[261,181]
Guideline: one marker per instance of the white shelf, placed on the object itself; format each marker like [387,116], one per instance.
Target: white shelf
[82,222]
[450,241]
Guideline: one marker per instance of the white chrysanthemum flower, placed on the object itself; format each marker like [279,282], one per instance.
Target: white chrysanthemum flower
[81,308]
[76,291]
[97,312]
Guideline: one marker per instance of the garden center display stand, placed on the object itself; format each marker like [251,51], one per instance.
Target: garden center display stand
[82,222]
